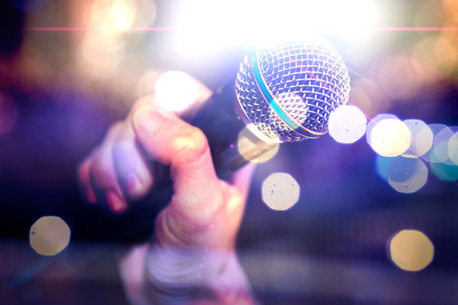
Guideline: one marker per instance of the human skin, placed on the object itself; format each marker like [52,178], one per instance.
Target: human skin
[192,258]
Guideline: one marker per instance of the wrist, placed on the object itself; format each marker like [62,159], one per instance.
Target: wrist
[185,276]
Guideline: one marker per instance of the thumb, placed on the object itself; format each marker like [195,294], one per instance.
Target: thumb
[197,190]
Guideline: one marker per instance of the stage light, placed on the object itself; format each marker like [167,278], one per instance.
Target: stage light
[49,235]
[123,13]
[411,250]
[207,24]
[101,19]
[352,19]
[175,91]
[280,191]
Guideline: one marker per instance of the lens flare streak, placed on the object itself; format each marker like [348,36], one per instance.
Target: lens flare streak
[84,29]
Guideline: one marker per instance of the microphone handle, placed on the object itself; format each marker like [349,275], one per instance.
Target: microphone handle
[221,124]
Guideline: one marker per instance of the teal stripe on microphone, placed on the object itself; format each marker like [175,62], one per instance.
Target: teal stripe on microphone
[271,100]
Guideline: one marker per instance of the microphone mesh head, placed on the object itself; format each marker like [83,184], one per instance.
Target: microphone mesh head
[307,79]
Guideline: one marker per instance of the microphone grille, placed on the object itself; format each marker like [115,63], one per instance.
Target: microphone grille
[288,91]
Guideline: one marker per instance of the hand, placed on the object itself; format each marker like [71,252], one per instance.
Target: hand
[192,257]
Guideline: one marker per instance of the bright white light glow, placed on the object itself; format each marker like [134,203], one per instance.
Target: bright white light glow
[388,137]
[205,24]
[407,175]
[347,124]
[280,191]
[175,91]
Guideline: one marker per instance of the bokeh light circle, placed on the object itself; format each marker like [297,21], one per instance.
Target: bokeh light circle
[381,166]
[398,77]
[411,250]
[407,175]
[440,151]
[347,124]
[123,13]
[422,138]
[444,171]
[101,55]
[280,191]
[453,148]
[49,235]
[388,136]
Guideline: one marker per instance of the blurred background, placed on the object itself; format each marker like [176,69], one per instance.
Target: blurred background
[367,216]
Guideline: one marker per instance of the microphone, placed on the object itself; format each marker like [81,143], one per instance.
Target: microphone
[284,93]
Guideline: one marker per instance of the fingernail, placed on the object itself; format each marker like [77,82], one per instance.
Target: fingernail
[115,203]
[148,121]
[133,185]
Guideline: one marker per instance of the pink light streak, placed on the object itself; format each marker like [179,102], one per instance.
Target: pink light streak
[168,29]
[84,29]
[414,29]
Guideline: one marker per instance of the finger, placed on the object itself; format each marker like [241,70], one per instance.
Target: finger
[241,179]
[84,179]
[103,175]
[173,142]
[131,169]
[238,193]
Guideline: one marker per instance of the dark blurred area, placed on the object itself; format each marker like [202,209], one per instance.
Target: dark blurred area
[70,69]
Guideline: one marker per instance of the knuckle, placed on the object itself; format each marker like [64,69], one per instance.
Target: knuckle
[192,146]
